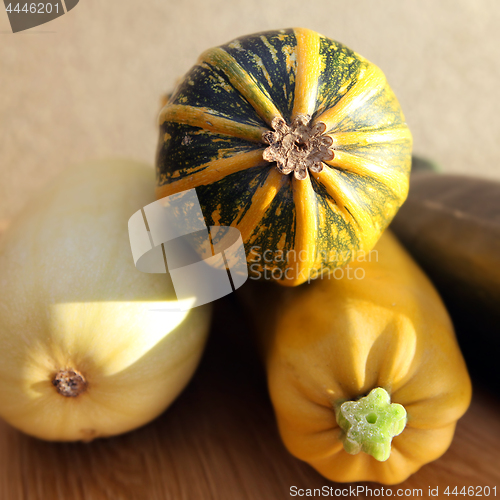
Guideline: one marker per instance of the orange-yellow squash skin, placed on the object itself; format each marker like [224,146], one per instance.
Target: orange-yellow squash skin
[380,325]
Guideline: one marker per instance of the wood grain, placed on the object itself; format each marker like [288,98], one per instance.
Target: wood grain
[219,441]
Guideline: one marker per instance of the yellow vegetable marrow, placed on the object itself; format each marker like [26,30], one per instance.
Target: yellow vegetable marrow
[88,345]
[364,371]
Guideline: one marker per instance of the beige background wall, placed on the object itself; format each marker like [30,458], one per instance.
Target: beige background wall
[88,84]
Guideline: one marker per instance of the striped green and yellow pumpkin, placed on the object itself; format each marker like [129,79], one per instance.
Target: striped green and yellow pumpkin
[295,140]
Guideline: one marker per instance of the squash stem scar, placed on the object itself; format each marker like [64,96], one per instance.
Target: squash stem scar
[297,147]
[69,383]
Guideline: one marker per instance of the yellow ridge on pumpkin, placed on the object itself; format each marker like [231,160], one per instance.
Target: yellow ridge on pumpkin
[201,117]
[370,80]
[242,81]
[396,181]
[214,171]
[261,200]
[368,137]
[349,206]
[308,71]
[306,227]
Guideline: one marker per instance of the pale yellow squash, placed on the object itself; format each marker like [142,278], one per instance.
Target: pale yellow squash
[88,345]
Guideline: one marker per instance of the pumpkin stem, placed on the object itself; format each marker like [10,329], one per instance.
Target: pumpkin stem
[297,147]
[69,383]
[370,423]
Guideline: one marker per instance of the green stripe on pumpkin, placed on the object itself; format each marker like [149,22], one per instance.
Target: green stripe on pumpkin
[269,58]
[206,86]
[185,150]
[340,68]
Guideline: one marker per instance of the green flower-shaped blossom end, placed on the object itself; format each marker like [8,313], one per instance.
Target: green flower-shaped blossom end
[370,423]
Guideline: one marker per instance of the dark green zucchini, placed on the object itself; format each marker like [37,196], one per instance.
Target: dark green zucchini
[451,225]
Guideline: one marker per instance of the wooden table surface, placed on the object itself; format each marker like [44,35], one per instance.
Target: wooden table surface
[219,441]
